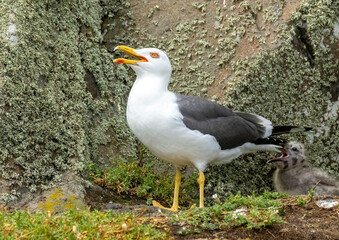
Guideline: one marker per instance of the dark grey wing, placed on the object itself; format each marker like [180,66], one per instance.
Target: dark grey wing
[229,129]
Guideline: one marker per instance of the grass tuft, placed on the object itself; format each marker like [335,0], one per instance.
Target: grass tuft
[303,200]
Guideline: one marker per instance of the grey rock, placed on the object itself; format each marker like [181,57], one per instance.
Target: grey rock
[112,206]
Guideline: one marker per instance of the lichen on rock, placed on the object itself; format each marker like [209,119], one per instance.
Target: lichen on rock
[61,99]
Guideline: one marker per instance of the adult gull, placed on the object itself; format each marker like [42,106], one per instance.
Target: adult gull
[188,130]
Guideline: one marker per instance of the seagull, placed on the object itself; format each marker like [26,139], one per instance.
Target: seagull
[188,130]
[294,177]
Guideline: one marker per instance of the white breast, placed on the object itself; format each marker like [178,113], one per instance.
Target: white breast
[158,124]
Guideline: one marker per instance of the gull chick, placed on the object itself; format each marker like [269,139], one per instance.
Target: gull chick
[294,177]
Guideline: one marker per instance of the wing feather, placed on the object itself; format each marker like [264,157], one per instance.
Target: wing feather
[229,129]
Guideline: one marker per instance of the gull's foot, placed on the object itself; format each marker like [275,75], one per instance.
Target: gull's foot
[174,208]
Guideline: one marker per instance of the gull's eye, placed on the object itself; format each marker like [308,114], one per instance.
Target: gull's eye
[154,55]
[294,149]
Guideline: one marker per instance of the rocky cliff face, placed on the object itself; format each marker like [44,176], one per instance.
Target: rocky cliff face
[62,104]
[63,101]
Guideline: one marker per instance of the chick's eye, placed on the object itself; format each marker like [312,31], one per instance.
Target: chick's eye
[294,149]
[154,55]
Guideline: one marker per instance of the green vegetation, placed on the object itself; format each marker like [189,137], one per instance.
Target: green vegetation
[74,224]
[255,211]
[139,179]
[303,200]
[251,211]
[63,100]
[64,217]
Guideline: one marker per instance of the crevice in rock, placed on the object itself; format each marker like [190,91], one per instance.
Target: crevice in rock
[303,44]
[91,85]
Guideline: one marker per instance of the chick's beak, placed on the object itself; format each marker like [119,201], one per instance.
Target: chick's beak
[284,154]
[131,52]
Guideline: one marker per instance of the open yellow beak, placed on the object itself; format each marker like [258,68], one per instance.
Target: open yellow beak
[131,52]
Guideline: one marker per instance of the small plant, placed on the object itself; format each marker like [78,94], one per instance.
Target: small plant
[302,200]
[94,171]
[251,211]
[310,195]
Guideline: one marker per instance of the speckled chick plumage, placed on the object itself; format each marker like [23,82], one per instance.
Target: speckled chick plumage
[293,176]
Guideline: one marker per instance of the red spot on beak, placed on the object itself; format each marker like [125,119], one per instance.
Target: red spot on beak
[119,61]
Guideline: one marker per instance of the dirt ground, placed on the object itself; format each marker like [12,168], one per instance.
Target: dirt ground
[308,222]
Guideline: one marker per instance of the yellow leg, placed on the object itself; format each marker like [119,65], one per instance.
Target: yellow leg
[201,181]
[175,205]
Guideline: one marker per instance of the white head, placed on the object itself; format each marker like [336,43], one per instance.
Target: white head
[150,61]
